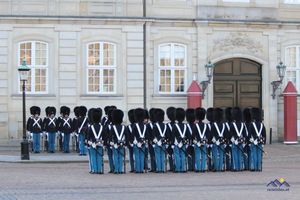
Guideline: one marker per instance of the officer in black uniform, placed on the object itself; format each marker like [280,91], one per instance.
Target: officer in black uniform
[130,139]
[190,118]
[172,119]
[51,127]
[35,126]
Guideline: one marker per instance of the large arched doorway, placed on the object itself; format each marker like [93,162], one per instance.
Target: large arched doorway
[237,82]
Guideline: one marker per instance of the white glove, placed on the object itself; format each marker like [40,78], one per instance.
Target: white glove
[218,142]
[214,140]
[131,145]
[180,145]
[115,146]
[135,141]
[94,145]
[236,142]
[244,145]
[255,142]
[167,146]
[159,143]
[198,144]
[90,143]
[146,145]
[139,145]
[176,143]
[172,146]
[195,141]
[232,140]
[111,143]
[251,139]
[155,140]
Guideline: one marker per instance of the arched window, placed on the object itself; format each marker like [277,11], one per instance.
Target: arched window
[292,1]
[292,62]
[36,55]
[172,68]
[101,68]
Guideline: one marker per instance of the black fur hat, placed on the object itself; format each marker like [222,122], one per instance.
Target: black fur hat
[139,115]
[256,114]
[146,114]
[152,115]
[62,109]
[200,114]
[159,115]
[210,114]
[236,114]
[109,112]
[106,109]
[171,113]
[228,114]
[90,115]
[180,114]
[247,115]
[96,115]
[218,114]
[32,108]
[47,110]
[190,115]
[52,110]
[76,111]
[131,116]
[65,110]
[117,116]
[37,110]
[83,111]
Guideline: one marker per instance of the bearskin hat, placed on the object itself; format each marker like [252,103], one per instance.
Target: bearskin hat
[32,108]
[237,114]
[228,114]
[47,110]
[190,115]
[117,116]
[171,113]
[180,114]
[200,114]
[52,110]
[139,115]
[109,112]
[146,114]
[159,115]
[106,109]
[62,109]
[218,114]
[256,114]
[65,110]
[210,115]
[131,116]
[76,111]
[83,111]
[90,115]
[36,110]
[96,115]
[152,115]
[247,115]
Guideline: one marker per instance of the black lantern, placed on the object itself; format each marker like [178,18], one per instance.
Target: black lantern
[209,69]
[281,73]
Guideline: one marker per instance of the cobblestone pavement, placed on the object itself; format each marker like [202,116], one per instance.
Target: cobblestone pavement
[65,181]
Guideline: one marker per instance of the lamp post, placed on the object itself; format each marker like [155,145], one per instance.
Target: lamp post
[209,69]
[23,74]
[281,73]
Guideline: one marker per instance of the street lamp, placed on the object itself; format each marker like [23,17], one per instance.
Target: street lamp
[209,69]
[24,74]
[281,73]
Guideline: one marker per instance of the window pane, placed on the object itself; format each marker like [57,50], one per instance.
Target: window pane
[165,81]
[179,55]
[25,52]
[291,57]
[27,84]
[108,80]
[40,53]
[179,81]
[94,54]
[93,80]
[291,76]
[165,55]
[108,54]
[40,80]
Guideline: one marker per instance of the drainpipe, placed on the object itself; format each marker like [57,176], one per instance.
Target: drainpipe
[145,56]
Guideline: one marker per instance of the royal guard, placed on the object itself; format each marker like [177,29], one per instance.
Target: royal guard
[190,118]
[95,141]
[180,141]
[211,120]
[200,135]
[65,127]
[107,126]
[50,125]
[257,133]
[75,135]
[130,139]
[35,126]
[238,139]
[140,141]
[160,141]
[81,129]
[228,121]
[105,120]
[118,133]
[247,121]
[172,118]
[59,134]
[219,131]
[150,126]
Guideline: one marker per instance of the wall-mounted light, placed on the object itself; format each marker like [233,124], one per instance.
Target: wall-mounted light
[281,73]
[209,69]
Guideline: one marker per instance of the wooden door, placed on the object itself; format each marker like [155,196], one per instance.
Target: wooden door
[237,82]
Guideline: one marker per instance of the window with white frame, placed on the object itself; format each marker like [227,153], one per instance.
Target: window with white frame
[36,55]
[292,62]
[172,68]
[101,68]
[292,1]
